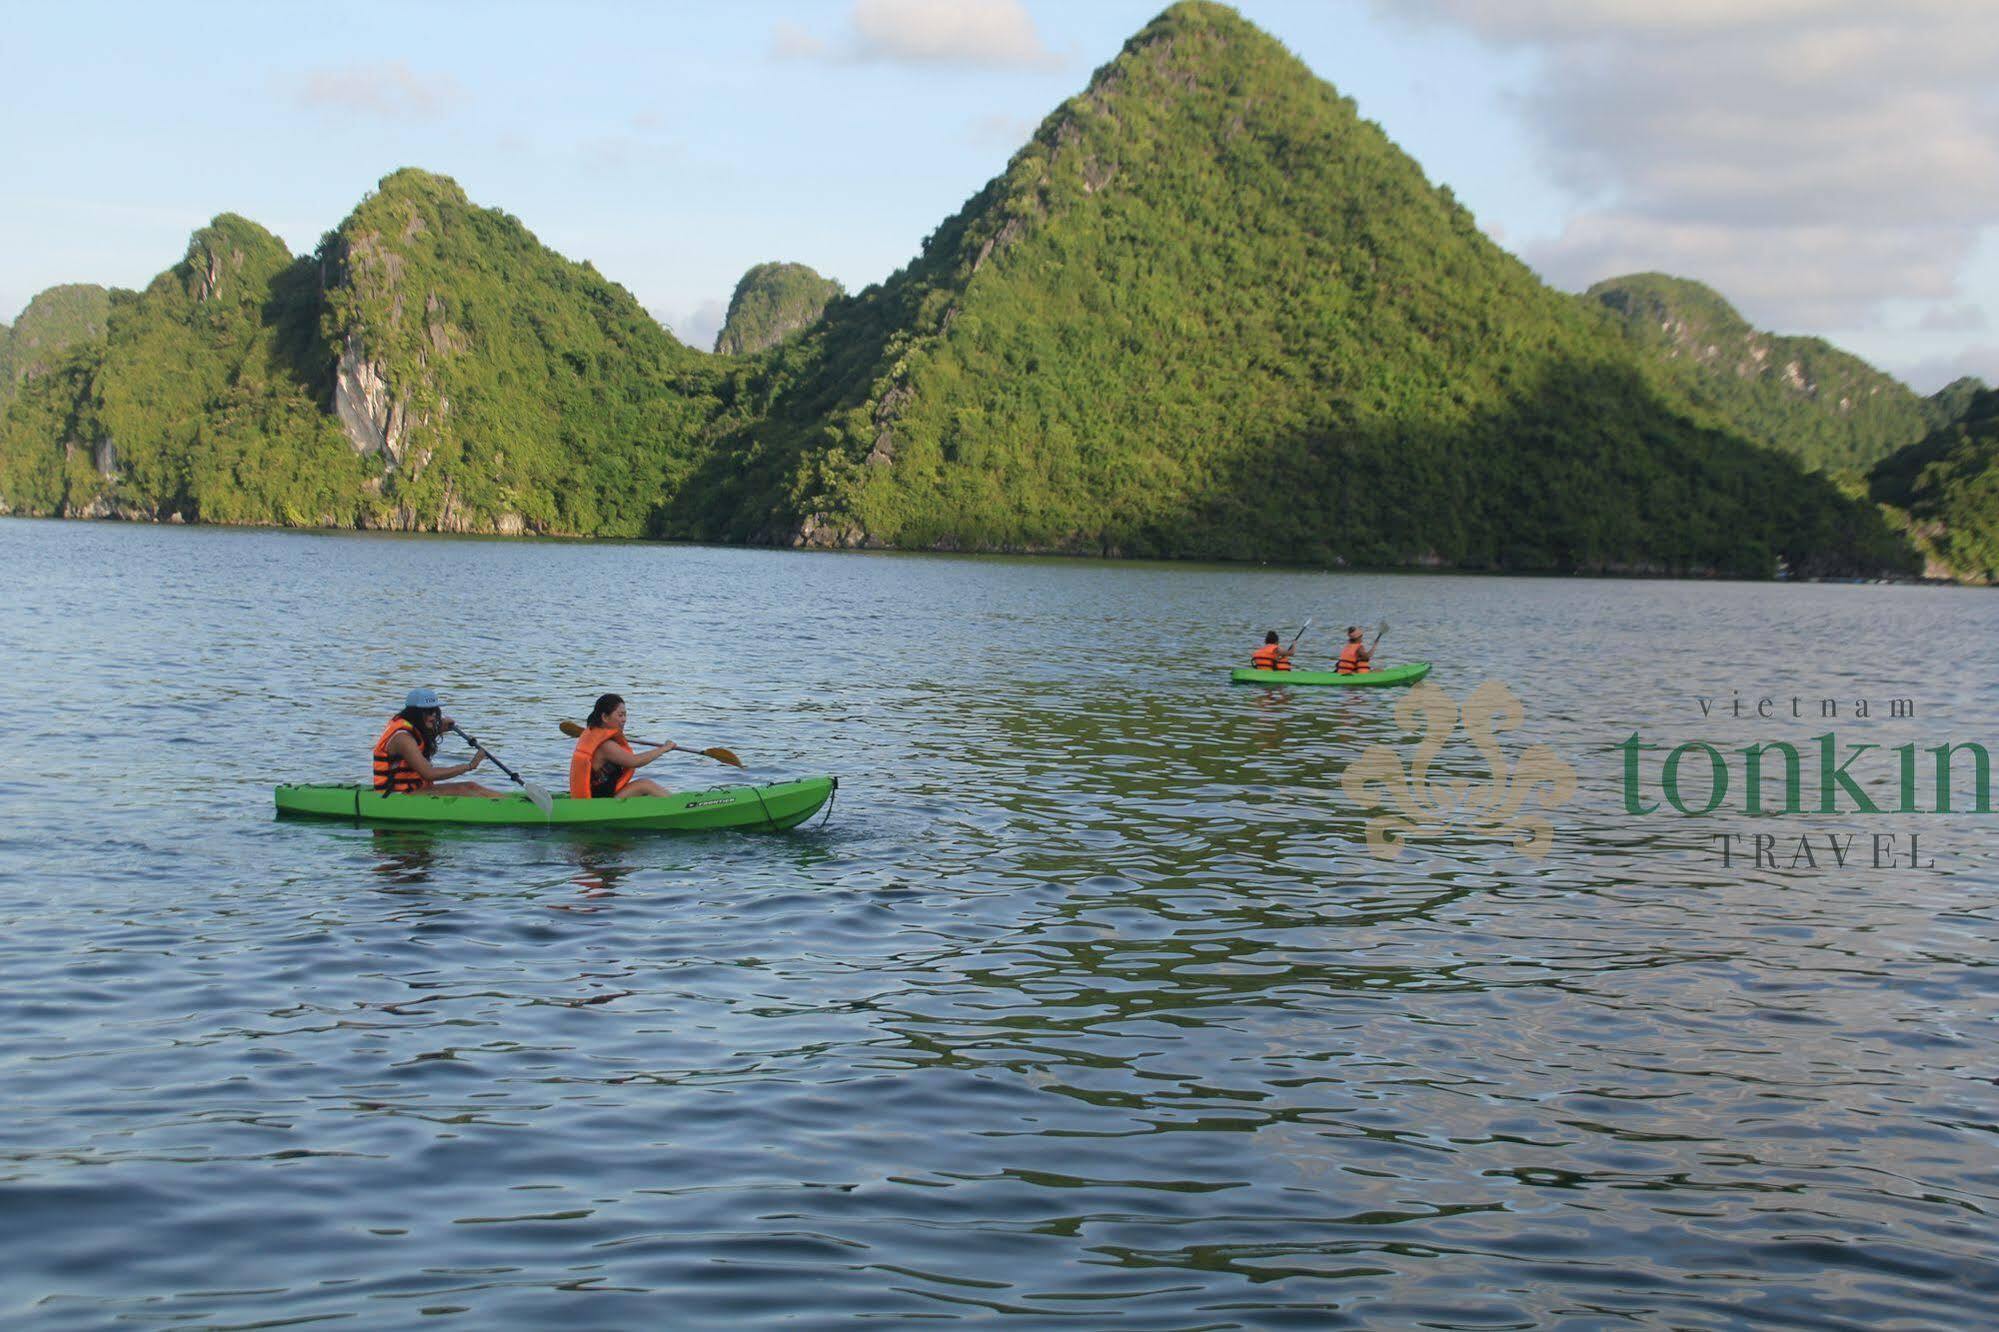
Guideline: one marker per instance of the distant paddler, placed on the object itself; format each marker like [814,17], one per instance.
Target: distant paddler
[1356,656]
[403,753]
[603,763]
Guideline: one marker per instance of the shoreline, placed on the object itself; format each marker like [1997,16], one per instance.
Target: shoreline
[1613,574]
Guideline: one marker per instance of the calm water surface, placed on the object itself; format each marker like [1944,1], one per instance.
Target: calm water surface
[1088,1006]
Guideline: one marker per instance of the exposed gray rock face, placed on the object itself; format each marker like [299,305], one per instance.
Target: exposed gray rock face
[825,533]
[375,421]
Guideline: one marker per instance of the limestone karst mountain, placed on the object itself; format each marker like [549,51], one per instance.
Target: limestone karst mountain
[1206,311]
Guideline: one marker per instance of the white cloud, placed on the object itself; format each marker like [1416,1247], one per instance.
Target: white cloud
[391,90]
[788,41]
[1811,159]
[1962,318]
[998,130]
[990,34]
[699,327]
[1931,374]
[1791,279]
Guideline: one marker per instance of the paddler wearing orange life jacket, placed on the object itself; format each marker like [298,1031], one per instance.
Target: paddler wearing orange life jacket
[1354,657]
[601,766]
[408,743]
[1271,657]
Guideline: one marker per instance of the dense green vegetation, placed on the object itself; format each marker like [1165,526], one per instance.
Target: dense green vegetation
[1206,311]
[1209,311]
[1952,403]
[54,321]
[532,393]
[772,302]
[1827,407]
[1946,491]
[200,401]
[484,383]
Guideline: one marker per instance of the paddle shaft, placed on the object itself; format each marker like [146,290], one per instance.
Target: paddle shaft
[466,736]
[1300,634]
[719,754]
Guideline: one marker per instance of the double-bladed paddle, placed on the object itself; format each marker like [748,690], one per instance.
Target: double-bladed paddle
[540,797]
[719,754]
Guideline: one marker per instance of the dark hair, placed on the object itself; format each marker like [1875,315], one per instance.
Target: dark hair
[1353,628]
[419,719]
[1270,637]
[606,705]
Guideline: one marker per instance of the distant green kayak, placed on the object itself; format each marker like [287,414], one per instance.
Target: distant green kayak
[774,807]
[1408,673]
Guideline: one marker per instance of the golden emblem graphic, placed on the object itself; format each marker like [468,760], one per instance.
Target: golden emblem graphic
[1417,805]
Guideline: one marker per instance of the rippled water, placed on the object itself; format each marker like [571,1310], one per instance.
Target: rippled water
[1088,1005]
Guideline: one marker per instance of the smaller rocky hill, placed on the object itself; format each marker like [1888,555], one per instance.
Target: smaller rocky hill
[772,302]
[53,321]
[1945,490]
[1825,407]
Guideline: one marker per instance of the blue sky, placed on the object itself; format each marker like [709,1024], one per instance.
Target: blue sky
[674,145]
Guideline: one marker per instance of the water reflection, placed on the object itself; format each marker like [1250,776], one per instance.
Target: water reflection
[404,856]
[603,861]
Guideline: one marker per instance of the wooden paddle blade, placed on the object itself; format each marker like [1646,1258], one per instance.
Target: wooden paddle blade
[570,729]
[721,755]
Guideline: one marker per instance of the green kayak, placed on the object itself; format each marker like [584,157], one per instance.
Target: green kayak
[1408,673]
[773,807]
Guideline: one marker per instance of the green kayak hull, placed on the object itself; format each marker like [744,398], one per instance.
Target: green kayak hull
[774,807]
[1388,675]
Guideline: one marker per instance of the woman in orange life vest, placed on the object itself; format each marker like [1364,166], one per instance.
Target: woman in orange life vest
[602,764]
[1271,657]
[403,753]
[1354,657]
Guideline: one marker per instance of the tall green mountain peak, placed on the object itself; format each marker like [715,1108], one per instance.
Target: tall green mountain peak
[1208,310]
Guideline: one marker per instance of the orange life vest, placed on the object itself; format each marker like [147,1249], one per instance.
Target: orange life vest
[581,783]
[1350,662]
[1266,658]
[391,773]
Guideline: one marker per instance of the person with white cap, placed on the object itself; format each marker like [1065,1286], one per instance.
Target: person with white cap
[407,744]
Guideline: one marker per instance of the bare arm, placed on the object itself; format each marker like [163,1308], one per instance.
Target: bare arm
[406,749]
[617,756]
